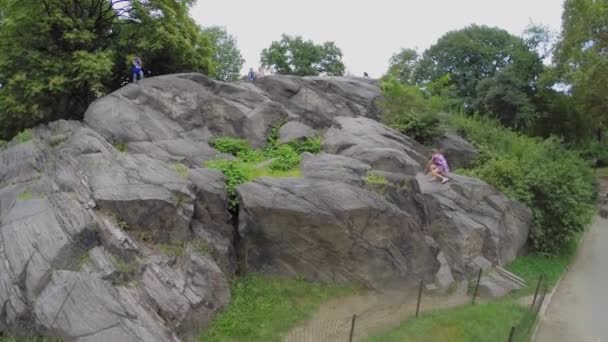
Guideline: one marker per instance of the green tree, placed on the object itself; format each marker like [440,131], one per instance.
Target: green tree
[504,95]
[475,53]
[582,61]
[296,56]
[227,56]
[56,57]
[402,66]
[164,35]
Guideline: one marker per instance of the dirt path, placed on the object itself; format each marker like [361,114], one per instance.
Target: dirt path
[579,307]
[375,311]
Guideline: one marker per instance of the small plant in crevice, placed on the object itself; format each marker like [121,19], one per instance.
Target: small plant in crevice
[127,270]
[374,178]
[376,181]
[202,247]
[120,146]
[23,136]
[120,223]
[181,170]
[25,195]
[172,249]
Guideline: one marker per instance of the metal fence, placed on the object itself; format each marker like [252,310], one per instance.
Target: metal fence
[355,325]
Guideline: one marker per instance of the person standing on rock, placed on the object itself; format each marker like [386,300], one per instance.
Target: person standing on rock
[137,69]
[439,166]
[251,75]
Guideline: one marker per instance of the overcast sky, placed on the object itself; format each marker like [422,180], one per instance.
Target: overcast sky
[368,32]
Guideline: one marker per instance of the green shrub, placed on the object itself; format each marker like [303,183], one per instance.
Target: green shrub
[284,158]
[249,164]
[410,111]
[230,145]
[23,136]
[596,153]
[235,171]
[310,145]
[555,183]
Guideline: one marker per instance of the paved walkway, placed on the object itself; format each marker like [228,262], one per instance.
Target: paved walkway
[578,311]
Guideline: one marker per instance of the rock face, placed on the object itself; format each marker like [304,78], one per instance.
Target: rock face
[459,152]
[111,229]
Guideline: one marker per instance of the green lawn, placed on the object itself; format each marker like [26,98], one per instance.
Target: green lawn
[263,309]
[485,322]
[479,323]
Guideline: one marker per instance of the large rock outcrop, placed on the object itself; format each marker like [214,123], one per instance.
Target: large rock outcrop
[112,229]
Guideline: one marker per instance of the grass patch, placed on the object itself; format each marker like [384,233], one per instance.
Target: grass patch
[173,249]
[532,266]
[374,178]
[275,160]
[264,309]
[482,322]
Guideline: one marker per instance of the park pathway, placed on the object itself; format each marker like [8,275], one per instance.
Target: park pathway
[578,311]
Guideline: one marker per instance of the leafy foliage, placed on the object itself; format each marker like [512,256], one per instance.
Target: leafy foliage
[410,111]
[230,145]
[295,56]
[581,60]
[226,54]
[555,183]
[275,160]
[23,136]
[504,95]
[403,66]
[56,57]
[310,145]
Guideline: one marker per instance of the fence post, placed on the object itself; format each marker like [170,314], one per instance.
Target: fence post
[477,286]
[352,328]
[419,297]
[512,334]
[540,280]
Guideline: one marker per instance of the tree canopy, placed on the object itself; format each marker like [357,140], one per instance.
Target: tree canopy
[581,58]
[56,57]
[402,66]
[226,54]
[475,53]
[296,56]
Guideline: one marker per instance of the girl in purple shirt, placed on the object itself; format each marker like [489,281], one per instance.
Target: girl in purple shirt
[439,166]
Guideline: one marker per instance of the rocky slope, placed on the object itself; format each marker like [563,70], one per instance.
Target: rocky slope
[104,238]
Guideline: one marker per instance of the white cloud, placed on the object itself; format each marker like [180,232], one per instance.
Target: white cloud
[368,32]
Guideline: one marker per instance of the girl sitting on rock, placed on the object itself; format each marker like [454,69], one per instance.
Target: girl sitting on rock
[439,166]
